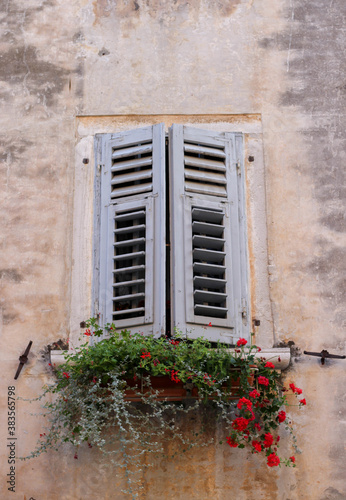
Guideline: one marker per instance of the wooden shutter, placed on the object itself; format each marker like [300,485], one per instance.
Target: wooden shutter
[130,283]
[208,268]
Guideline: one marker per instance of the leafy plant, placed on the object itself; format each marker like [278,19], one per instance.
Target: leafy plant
[90,402]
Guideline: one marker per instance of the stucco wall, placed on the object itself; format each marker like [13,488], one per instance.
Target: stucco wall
[62,61]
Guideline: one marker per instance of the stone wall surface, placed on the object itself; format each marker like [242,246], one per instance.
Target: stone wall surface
[62,62]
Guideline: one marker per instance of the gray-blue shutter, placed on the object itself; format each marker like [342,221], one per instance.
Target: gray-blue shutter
[208,236]
[130,288]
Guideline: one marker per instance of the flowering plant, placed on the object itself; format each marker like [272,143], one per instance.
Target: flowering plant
[89,403]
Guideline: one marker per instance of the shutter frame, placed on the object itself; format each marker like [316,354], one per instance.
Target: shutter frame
[153,202]
[183,199]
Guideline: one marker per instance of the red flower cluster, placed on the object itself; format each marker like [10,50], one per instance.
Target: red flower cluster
[173,342]
[146,355]
[66,375]
[263,381]
[244,402]
[302,402]
[281,416]
[254,394]
[273,460]
[240,424]
[258,427]
[241,342]
[269,364]
[293,459]
[88,332]
[231,442]
[257,445]
[268,440]
[174,376]
[295,389]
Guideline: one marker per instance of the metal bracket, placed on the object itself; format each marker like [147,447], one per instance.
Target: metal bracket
[22,360]
[324,355]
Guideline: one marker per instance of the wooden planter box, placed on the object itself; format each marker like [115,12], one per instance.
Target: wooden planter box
[170,390]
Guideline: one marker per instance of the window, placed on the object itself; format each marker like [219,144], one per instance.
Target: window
[170,232]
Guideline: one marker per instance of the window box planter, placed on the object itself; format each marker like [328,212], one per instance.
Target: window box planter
[167,389]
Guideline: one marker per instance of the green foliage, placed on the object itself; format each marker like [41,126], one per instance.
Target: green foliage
[89,403]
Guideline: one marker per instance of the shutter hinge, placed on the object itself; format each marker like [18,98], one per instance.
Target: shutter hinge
[244,309]
[99,168]
[238,166]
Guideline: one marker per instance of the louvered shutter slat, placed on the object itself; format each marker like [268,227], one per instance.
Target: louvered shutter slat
[135,163]
[206,296]
[128,269]
[128,229]
[212,312]
[215,190]
[209,269]
[135,150]
[207,282]
[125,243]
[135,176]
[132,255]
[203,150]
[208,242]
[120,193]
[205,176]
[128,283]
[205,164]
[139,311]
[208,255]
[207,229]
[130,296]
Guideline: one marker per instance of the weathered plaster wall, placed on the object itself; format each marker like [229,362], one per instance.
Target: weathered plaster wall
[282,60]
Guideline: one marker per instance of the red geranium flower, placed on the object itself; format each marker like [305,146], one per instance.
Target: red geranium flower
[240,424]
[293,387]
[146,355]
[174,342]
[269,364]
[258,427]
[298,391]
[293,459]
[231,442]
[263,381]
[66,375]
[302,401]
[273,460]
[88,332]
[268,440]
[281,416]
[241,342]
[257,445]
[174,376]
[254,394]
[244,402]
